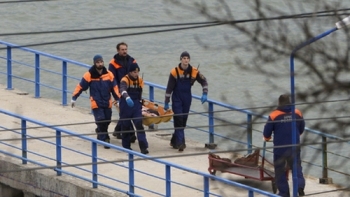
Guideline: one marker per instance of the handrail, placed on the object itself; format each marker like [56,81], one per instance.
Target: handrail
[152,86]
[131,154]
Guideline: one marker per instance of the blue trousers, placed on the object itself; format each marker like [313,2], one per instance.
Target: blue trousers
[136,114]
[280,162]
[180,110]
[103,119]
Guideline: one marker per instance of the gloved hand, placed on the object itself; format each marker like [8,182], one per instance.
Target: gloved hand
[72,103]
[129,102]
[166,106]
[204,97]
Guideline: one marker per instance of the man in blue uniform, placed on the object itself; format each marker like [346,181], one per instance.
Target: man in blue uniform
[280,124]
[179,86]
[131,108]
[101,83]
[119,66]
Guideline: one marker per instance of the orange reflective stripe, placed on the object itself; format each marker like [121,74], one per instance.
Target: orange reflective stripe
[110,75]
[173,72]
[116,66]
[125,79]
[276,113]
[77,89]
[93,103]
[194,72]
[298,112]
[141,83]
[87,76]
[116,90]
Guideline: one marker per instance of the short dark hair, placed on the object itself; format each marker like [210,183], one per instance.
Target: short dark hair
[121,43]
[284,100]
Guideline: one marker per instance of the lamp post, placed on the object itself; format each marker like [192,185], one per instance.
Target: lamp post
[338,25]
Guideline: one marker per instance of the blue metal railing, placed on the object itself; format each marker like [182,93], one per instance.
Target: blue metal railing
[212,104]
[59,166]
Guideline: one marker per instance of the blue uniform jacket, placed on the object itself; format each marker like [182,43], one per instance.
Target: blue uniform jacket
[101,86]
[119,66]
[280,124]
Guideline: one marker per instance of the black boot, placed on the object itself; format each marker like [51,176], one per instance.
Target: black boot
[301,192]
[133,138]
[144,151]
[107,141]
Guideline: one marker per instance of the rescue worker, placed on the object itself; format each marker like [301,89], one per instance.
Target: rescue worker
[101,83]
[131,87]
[119,67]
[279,123]
[179,86]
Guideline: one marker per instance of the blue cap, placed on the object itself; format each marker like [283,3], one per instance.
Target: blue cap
[97,57]
[183,54]
[134,66]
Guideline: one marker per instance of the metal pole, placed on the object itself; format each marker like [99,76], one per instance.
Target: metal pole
[94,165]
[37,76]
[324,158]
[292,91]
[151,93]
[9,68]
[249,133]
[167,181]
[211,123]
[64,83]
[131,174]
[24,141]
[58,153]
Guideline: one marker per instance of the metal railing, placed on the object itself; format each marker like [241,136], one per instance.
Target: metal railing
[64,90]
[131,169]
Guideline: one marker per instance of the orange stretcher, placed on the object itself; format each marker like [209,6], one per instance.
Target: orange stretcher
[154,114]
[251,166]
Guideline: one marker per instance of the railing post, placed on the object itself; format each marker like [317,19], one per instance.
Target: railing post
[211,144]
[249,133]
[131,174]
[206,186]
[37,76]
[151,93]
[250,193]
[167,181]
[64,83]
[58,153]
[24,141]
[94,165]
[325,179]
[9,68]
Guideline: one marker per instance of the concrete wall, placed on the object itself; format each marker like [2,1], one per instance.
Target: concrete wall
[7,191]
[44,183]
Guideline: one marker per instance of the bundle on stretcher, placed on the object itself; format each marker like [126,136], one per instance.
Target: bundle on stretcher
[154,114]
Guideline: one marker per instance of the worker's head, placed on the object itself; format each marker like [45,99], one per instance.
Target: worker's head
[284,100]
[98,61]
[184,54]
[185,59]
[134,70]
[122,49]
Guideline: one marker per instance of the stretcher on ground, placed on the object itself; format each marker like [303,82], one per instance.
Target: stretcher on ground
[154,114]
[252,166]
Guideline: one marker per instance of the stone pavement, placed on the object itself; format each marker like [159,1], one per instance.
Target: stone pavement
[51,112]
